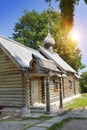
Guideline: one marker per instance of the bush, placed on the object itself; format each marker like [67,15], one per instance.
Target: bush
[83,82]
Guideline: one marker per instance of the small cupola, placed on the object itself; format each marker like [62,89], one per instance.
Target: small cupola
[49,42]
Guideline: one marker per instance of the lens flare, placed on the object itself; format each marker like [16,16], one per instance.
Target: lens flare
[74,36]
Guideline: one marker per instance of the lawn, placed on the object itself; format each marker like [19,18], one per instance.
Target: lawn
[77,103]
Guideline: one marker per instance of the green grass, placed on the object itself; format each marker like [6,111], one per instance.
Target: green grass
[77,103]
[41,118]
[59,125]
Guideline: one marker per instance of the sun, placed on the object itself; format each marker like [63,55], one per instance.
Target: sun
[74,36]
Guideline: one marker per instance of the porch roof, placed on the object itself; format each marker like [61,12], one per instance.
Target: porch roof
[45,63]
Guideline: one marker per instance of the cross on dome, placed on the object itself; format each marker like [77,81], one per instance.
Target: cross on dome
[49,42]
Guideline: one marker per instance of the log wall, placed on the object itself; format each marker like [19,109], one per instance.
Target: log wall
[10,82]
[54,95]
[69,90]
[77,86]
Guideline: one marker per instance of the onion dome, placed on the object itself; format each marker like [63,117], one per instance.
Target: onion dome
[49,42]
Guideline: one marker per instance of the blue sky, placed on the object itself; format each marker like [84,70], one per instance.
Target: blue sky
[80,25]
[12,10]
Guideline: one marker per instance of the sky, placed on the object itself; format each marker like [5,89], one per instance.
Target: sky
[12,10]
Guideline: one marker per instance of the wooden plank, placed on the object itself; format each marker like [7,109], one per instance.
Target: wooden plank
[10,85]
[11,92]
[7,54]
[11,96]
[10,76]
[10,89]
[11,99]
[7,103]
[9,72]
[10,82]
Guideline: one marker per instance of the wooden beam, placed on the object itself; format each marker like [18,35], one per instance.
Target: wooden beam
[61,96]
[47,95]
[74,84]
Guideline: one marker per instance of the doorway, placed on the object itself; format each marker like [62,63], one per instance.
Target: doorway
[35,92]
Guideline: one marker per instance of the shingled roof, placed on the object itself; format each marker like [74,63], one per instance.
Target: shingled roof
[19,52]
[23,55]
[57,59]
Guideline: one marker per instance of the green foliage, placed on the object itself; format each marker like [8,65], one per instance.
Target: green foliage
[65,47]
[69,51]
[67,8]
[32,28]
[77,103]
[83,82]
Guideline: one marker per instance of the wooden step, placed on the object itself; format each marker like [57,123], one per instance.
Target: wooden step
[37,109]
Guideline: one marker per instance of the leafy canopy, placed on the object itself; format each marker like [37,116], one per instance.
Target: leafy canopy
[67,8]
[32,27]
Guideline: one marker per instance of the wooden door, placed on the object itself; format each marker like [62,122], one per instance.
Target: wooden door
[35,92]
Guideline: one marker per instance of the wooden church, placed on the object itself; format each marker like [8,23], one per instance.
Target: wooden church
[34,81]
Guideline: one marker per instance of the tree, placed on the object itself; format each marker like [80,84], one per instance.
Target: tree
[65,47]
[32,27]
[31,30]
[69,51]
[67,8]
[83,82]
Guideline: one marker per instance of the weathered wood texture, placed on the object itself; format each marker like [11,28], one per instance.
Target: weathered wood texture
[54,95]
[26,92]
[70,90]
[35,91]
[77,86]
[43,91]
[10,82]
